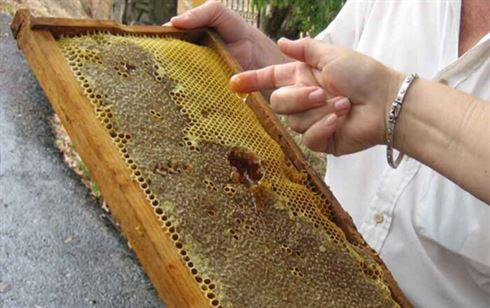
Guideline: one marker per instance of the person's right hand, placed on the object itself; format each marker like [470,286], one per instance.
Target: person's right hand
[353,120]
[248,45]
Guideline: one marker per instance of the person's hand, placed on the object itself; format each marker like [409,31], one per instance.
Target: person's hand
[248,45]
[313,93]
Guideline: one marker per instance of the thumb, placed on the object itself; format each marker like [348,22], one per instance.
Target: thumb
[313,52]
[227,23]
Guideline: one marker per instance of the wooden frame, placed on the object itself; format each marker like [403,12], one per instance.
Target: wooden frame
[176,286]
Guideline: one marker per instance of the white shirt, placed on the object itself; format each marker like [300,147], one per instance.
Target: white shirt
[433,236]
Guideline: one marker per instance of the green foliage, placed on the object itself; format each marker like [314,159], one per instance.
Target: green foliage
[309,16]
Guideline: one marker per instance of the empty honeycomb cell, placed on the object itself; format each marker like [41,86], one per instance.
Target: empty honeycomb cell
[223,189]
[159,211]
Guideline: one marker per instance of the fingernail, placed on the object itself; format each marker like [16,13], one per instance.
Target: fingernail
[284,39]
[235,79]
[342,104]
[317,96]
[234,83]
[331,119]
[167,24]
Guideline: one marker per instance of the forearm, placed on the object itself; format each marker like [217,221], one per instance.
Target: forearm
[448,131]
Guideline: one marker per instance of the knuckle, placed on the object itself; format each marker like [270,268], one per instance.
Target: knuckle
[297,68]
[310,143]
[272,75]
[276,101]
[296,125]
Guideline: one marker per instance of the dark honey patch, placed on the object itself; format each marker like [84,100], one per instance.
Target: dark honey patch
[248,166]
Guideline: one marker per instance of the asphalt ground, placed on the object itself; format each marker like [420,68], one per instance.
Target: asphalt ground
[57,246]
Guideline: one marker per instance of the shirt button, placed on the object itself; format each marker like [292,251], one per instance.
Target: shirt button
[379,218]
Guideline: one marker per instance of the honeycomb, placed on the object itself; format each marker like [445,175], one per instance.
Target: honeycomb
[252,229]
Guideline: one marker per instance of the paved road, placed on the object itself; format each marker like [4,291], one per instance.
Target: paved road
[56,247]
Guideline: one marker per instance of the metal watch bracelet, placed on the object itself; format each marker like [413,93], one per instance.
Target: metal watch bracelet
[395,108]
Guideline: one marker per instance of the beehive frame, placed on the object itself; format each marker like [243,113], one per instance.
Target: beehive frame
[175,284]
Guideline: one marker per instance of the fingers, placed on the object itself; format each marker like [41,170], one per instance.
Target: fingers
[302,121]
[267,78]
[313,52]
[293,99]
[320,136]
[213,14]
[296,99]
